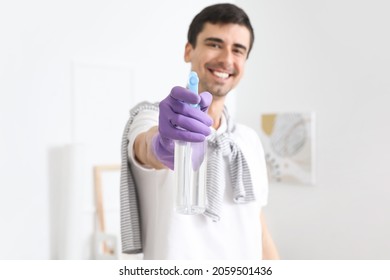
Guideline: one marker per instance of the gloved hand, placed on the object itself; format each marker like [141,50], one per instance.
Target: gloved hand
[180,121]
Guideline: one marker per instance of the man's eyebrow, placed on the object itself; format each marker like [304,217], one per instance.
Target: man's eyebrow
[213,39]
[240,46]
[218,40]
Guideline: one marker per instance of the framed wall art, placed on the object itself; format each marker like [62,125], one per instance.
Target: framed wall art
[289,146]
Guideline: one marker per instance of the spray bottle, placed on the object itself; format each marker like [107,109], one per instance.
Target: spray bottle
[190,169]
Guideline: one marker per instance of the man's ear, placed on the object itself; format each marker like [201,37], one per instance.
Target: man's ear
[187,52]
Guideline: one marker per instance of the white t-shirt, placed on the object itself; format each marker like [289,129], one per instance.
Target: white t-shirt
[169,235]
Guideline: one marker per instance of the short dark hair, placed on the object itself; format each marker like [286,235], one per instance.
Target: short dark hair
[219,13]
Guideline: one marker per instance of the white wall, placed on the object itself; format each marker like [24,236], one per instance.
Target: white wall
[46,46]
[326,56]
[331,57]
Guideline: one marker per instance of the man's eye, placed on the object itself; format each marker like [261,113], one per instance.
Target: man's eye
[216,46]
[239,51]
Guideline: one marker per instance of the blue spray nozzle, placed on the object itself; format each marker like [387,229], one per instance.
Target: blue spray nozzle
[193,82]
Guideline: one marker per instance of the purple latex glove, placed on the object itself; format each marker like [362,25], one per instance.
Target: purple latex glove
[180,121]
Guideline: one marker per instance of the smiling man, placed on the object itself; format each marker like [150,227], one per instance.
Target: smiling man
[220,39]
[218,54]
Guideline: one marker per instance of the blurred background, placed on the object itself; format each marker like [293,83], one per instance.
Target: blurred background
[71,70]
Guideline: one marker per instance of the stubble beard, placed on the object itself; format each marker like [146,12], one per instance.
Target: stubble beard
[217,91]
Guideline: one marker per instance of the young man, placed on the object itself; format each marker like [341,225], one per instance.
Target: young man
[219,41]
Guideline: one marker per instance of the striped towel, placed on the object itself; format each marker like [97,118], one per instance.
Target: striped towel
[129,209]
[222,151]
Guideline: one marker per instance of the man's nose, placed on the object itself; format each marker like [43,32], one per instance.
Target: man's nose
[226,57]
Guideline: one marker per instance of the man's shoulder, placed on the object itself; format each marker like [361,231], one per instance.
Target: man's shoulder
[246,135]
[245,129]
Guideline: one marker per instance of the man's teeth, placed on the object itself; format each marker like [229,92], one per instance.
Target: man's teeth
[221,75]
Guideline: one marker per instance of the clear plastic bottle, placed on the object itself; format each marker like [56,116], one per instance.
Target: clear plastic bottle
[190,177]
[190,170]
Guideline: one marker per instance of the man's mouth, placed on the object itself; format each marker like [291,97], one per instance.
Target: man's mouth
[222,75]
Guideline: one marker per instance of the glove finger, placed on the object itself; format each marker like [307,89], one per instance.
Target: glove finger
[175,133]
[180,108]
[184,95]
[205,100]
[190,124]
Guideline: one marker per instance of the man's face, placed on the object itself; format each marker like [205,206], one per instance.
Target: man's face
[219,57]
